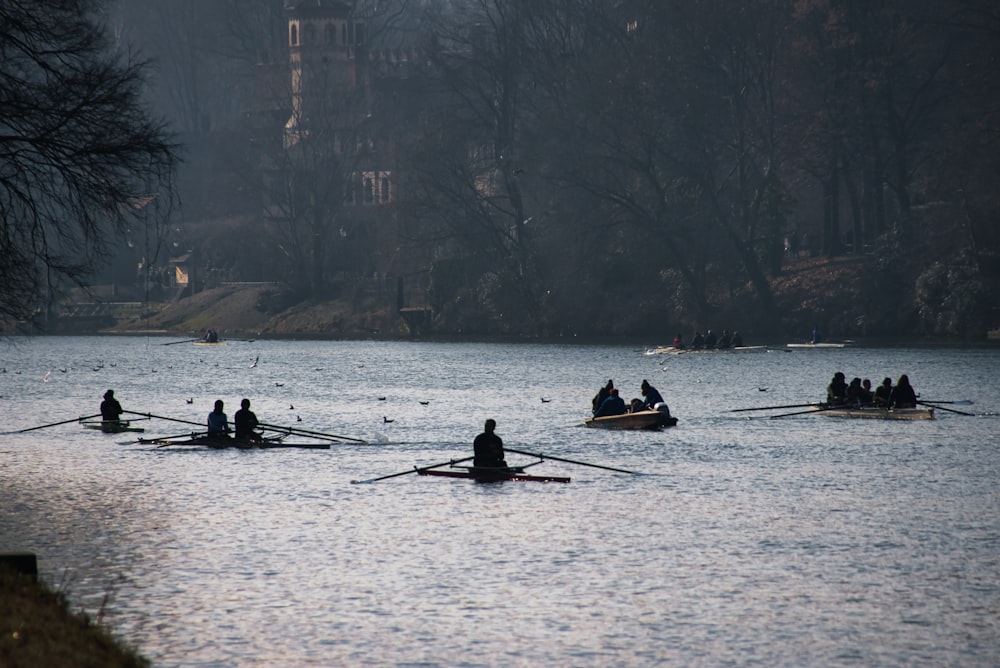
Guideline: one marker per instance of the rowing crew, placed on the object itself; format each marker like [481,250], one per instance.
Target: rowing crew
[245,422]
[607,402]
[859,393]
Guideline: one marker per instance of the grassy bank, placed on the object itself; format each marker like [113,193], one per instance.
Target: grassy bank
[37,629]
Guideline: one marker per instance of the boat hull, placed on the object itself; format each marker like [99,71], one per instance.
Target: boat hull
[223,443]
[632,421]
[113,427]
[874,413]
[492,476]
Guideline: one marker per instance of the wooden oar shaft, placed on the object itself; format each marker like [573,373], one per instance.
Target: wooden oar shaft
[174,343]
[309,432]
[769,408]
[163,417]
[56,424]
[569,461]
[415,469]
[942,408]
[818,409]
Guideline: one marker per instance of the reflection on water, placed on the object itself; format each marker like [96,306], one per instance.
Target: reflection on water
[802,540]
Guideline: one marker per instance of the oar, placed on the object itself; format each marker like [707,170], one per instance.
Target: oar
[56,424]
[190,434]
[950,410]
[960,402]
[161,417]
[308,432]
[819,409]
[769,408]
[174,343]
[415,469]
[570,461]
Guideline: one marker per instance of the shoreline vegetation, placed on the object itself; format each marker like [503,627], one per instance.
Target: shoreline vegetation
[38,628]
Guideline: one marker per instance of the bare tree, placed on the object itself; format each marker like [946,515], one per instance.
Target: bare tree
[79,152]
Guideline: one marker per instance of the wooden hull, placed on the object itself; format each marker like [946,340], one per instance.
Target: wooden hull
[492,476]
[670,350]
[209,343]
[222,443]
[871,412]
[113,427]
[632,421]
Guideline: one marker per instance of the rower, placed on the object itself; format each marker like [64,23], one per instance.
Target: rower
[488,448]
[218,423]
[245,422]
[111,410]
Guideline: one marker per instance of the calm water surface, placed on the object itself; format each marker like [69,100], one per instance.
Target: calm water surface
[799,540]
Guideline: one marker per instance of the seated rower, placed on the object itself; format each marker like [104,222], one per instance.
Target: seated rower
[836,391]
[678,342]
[698,342]
[246,422]
[218,422]
[882,394]
[111,410]
[737,340]
[613,405]
[653,399]
[903,395]
[488,448]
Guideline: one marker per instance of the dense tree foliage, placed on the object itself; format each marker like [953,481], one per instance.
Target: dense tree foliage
[81,157]
[612,166]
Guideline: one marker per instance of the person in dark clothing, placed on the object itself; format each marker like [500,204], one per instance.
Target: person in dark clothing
[601,395]
[883,393]
[613,405]
[866,396]
[653,399]
[737,340]
[902,395]
[698,342]
[836,391]
[111,410]
[245,421]
[854,392]
[488,447]
[724,340]
[710,340]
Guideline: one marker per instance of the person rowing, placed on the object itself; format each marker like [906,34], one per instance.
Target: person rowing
[613,405]
[246,422]
[218,422]
[903,395]
[488,448]
[653,400]
[111,410]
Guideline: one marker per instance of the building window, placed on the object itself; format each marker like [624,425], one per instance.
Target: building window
[384,183]
[343,33]
[294,39]
[369,188]
[331,34]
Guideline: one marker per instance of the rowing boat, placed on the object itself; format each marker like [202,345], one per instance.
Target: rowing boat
[491,474]
[632,421]
[877,413]
[222,442]
[670,350]
[112,426]
[816,346]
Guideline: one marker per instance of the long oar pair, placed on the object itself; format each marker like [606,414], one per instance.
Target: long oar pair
[772,408]
[937,405]
[452,462]
[309,432]
[56,424]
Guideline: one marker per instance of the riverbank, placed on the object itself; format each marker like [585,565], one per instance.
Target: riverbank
[37,628]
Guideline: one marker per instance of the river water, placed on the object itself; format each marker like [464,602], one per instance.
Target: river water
[801,540]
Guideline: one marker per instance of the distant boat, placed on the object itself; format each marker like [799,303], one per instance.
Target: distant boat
[632,421]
